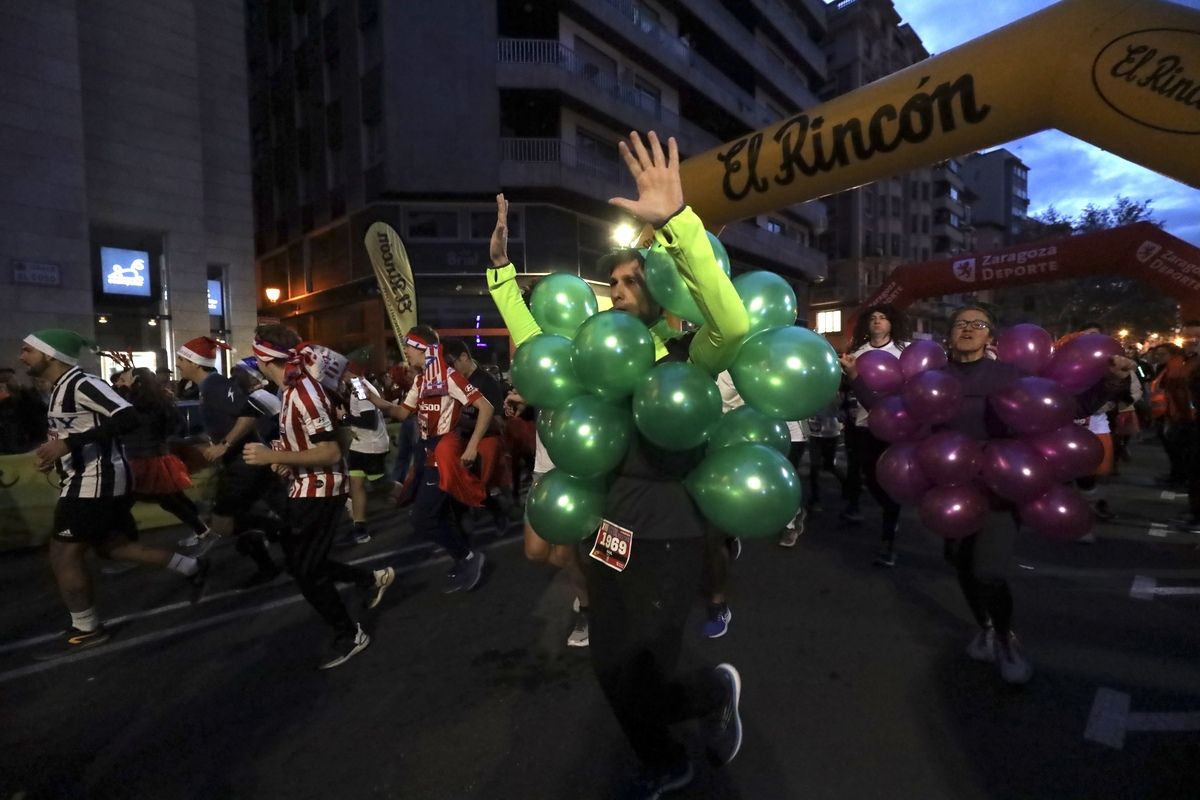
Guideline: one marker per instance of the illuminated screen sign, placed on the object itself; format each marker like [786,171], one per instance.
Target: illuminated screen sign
[125,271]
[216,307]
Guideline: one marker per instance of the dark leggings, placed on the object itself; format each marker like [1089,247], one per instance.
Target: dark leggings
[436,514]
[823,456]
[982,562]
[178,504]
[306,544]
[864,451]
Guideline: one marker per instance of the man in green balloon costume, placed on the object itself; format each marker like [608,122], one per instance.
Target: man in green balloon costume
[644,567]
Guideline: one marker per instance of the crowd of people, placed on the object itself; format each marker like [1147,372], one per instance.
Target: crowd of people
[298,438]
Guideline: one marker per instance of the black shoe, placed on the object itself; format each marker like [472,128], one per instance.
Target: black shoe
[851,515]
[199,580]
[345,647]
[723,728]
[886,557]
[71,641]
[467,573]
[652,784]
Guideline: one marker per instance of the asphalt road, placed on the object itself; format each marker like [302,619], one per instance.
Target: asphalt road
[856,684]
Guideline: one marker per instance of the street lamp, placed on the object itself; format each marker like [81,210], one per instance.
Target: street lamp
[273,294]
[1123,333]
[624,235]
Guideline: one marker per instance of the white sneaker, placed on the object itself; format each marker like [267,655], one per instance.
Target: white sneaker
[1014,668]
[195,538]
[983,646]
[579,636]
[345,648]
[384,578]
[1087,538]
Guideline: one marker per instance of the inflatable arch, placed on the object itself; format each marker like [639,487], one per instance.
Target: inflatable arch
[1141,251]
[1121,74]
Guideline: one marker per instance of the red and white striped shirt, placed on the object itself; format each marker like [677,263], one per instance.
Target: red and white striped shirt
[439,415]
[306,419]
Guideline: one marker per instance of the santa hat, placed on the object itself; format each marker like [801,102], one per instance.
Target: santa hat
[58,343]
[202,351]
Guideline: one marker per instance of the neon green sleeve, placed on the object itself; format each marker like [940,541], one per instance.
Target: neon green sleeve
[502,283]
[725,321]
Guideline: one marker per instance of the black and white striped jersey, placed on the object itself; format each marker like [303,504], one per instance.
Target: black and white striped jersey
[78,403]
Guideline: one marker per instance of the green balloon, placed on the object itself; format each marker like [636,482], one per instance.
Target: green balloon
[588,436]
[744,424]
[719,252]
[561,302]
[769,300]
[563,509]
[613,350]
[666,286]
[746,490]
[542,372]
[786,373]
[676,405]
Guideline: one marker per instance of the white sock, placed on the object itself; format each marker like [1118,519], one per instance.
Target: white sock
[184,565]
[86,621]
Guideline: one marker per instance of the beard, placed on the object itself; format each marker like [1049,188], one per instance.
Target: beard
[36,370]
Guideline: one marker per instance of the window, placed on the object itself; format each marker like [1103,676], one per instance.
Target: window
[434,225]
[773,225]
[596,153]
[594,65]
[897,206]
[829,321]
[897,247]
[868,241]
[648,95]
[869,203]
[924,191]
[925,224]
[914,224]
[484,222]
[952,192]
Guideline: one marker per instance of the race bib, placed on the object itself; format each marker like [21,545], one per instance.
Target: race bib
[614,545]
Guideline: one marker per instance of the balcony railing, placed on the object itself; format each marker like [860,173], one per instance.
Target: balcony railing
[564,155]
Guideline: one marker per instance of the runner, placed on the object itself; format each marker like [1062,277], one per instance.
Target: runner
[368,449]
[446,485]
[311,455]
[86,419]
[230,421]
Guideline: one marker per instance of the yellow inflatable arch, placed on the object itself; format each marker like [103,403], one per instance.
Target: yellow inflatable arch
[1121,74]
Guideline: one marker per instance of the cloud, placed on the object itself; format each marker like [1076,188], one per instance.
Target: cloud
[1064,172]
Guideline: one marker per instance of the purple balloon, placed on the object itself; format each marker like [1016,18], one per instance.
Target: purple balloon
[1082,362]
[900,474]
[953,512]
[1015,471]
[921,355]
[1033,405]
[1072,451]
[1028,346]
[880,372]
[933,396]
[1060,513]
[949,458]
[890,421]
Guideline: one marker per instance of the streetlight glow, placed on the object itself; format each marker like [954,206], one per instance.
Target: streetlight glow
[624,235]
[273,294]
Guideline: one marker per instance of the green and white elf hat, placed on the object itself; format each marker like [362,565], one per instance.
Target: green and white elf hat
[58,343]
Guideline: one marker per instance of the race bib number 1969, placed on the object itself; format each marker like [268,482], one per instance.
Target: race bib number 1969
[614,545]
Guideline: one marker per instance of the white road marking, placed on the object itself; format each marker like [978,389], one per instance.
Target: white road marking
[208,598]
[1145,588]
[1169,495]
[1158,529]
[1111,719]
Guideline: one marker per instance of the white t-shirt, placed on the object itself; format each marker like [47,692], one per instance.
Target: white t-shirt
[730,399]
[368,440]
[541,459]
[860,413]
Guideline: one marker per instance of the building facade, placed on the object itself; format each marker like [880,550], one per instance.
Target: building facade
[368,111]
[126,204]
[920,215]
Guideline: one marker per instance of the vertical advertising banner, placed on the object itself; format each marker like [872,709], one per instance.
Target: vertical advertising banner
[394,274]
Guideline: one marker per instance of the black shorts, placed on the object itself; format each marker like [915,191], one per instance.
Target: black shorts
[368,465]
[93,520]
[239,486]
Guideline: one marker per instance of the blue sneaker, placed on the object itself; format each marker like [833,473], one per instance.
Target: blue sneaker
[652,784]
[717,624]
[723,728]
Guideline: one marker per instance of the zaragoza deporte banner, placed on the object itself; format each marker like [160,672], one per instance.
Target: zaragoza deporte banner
[1121,74]
[394,274]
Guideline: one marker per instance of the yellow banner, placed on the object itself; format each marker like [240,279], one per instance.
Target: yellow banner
[27,499]
[394,274]
[1121,74]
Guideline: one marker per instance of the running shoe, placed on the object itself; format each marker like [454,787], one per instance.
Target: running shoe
[71,641]
[466,574]
[717,624]
[789,537]
[852,515]
[983,646]
[199,580]
[361,536]
[204,544]
[579,634]
[384,578]
[1014,667]
[651,784]
[723,728]
[346,647]
[734,545]
[194,539]
[886,556]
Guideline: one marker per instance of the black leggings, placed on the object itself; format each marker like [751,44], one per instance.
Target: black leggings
[823,456]
[314,523]
[863,451]
[178,504]
[982,562]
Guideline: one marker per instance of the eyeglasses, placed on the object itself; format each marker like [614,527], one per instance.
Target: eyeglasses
[973,324]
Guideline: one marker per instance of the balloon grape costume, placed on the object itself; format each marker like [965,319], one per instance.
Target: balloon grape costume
[594,377]
[954,479]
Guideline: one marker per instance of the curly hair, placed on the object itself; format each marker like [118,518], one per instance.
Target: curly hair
[862,326]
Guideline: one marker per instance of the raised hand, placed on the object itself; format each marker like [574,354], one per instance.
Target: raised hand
[498,249]
[660,192]
[849,363]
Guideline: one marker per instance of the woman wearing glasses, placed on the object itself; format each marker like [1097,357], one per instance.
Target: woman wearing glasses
[982,558]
